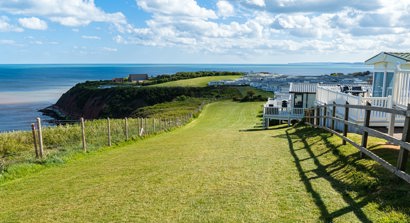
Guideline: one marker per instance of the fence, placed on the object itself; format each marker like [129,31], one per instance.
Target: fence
[327,94]
[282,112]
[319,117]
[77,135]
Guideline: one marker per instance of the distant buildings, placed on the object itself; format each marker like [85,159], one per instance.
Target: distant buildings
[390,88]
[118,80]
[137,78]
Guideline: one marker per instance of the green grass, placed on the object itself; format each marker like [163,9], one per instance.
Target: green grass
[17,154]
[244,89]
[222,167]
[180,107]
[196,82]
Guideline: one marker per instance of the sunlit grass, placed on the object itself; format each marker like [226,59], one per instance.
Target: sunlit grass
[222,167]
[196,82]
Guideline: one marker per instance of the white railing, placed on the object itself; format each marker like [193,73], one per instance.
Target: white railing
[401,94]
[283,113]
[328,95]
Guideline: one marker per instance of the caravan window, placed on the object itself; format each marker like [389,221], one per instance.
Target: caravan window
[378,84]
[389,84]
[298,101]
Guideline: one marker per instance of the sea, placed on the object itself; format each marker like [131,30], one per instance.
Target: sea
[26,88]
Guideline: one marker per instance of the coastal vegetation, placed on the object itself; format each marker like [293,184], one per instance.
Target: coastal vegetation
[181,106]
[101,99]
[218,168]
[190,75]
[197,82]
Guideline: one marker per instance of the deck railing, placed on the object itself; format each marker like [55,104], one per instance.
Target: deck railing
[324,116]
[327,95]
[401,88]
[283,112]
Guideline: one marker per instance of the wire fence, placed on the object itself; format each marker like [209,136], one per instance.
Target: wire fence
[69,136]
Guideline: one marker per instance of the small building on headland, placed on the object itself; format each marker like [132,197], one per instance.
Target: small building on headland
[137,78]
[118,80]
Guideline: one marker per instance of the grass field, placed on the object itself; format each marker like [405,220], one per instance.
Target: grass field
[219,168]
[196,82]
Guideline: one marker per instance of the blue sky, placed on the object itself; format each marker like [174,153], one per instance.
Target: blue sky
[201,31]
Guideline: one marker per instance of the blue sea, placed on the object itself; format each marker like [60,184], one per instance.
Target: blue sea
[24,89]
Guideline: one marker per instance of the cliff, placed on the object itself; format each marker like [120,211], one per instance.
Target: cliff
[90,100]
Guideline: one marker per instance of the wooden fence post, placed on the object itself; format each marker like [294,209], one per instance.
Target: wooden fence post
[144,125]
[346,126]
[83,135]
[404,153]
[139,125]
[317,114]
[40,137]
[33,130]
[365,124]
[126,129]
[391,124]
[109,131]
[141,132]
[153,120]
[332,125]
[324,115]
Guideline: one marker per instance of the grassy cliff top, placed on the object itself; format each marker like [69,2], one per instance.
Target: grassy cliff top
[196,82]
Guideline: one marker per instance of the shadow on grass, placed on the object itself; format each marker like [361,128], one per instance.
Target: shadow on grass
[261,128]
[367,182]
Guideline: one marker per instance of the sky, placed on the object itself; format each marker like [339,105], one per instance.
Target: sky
[201,31]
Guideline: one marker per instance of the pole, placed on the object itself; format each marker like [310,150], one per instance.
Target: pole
[109,131]
[33,130]
[334,116]
[404,153]
[83,135]
[126,129]
[346,126]
[40,137]
[365,133]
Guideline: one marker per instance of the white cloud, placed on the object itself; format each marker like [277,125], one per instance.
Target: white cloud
[5,26]
[91,37]
[36,42]
[68,13]
[189,8]
[7,42]
[108,49]
[225,9]
[33,23]
[260,3]
[264,27]
[323,6]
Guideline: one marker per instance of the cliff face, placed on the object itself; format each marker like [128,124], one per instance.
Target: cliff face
[92,102]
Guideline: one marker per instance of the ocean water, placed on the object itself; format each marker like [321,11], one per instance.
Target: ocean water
[24,89]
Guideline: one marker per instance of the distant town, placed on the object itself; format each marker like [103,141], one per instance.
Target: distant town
[279,83]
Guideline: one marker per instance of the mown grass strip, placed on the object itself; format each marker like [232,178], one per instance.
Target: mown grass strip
[222,167]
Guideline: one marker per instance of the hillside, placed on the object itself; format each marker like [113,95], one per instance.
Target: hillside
[219,168]
[196,82]
[101,99]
